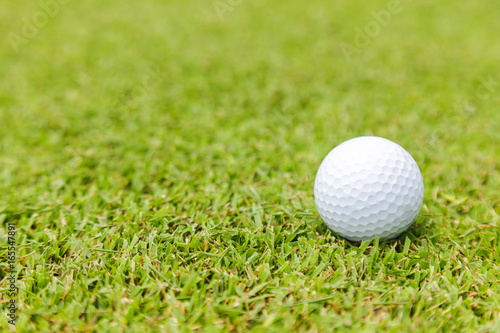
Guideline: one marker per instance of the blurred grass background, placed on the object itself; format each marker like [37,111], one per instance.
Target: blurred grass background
[187,142]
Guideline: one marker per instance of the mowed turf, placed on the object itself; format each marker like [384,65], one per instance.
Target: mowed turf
[158,160]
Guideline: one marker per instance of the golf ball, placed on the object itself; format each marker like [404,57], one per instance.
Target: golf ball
[369,187]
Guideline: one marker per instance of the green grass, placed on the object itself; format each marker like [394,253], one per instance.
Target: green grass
[183,200]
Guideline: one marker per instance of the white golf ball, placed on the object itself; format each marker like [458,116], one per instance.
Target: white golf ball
[369,187]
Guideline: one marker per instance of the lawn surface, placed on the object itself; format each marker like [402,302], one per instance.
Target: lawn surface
[158,160]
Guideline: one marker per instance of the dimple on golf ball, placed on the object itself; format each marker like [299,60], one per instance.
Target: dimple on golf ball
[369,187]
